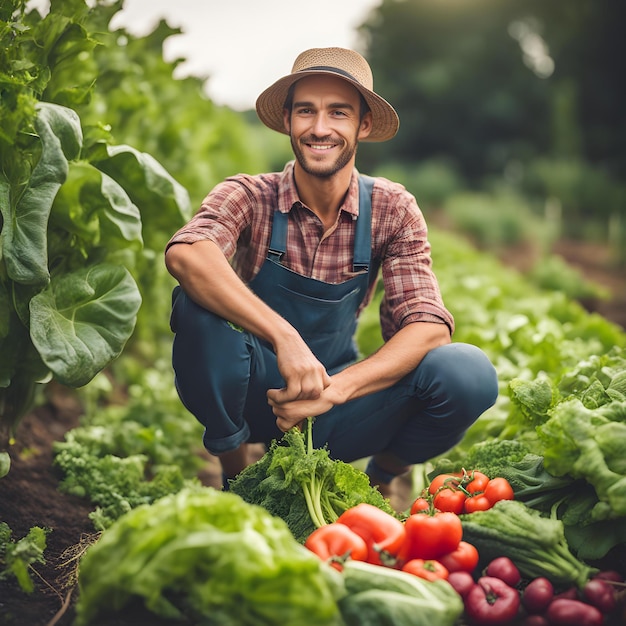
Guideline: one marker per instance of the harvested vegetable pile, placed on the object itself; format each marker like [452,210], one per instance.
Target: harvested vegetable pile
[563,450]
[511,540]
[208,558]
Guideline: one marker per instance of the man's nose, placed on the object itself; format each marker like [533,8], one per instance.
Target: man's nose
[320,125]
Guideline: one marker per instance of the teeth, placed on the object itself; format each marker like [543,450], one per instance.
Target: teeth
[320,147]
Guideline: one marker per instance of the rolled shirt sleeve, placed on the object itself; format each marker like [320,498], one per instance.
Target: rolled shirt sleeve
[411,289]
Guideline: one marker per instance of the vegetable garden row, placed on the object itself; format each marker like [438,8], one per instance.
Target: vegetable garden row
[192,554]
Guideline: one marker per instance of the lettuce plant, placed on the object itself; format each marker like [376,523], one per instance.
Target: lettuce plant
[70,219]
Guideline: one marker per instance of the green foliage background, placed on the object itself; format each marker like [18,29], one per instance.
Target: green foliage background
[525,94]
[101,152]
[103,155]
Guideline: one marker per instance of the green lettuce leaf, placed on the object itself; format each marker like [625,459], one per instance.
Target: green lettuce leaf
[83,319]
[148,184]
[590,444]
[96,208]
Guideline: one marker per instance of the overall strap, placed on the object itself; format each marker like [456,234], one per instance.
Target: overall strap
[278,242]
[362,235]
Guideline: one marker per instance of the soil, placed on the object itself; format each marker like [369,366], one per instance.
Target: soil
[29,495]
[595,263]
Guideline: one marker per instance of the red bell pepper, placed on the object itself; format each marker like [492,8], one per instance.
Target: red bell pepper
[383,533]
[335,543]
[427,569]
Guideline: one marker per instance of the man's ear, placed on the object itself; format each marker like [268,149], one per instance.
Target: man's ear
[287,120]
[365,127]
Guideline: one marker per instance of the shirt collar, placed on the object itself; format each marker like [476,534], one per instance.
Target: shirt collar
[288,194]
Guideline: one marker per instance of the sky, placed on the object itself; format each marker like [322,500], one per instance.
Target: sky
[243,46]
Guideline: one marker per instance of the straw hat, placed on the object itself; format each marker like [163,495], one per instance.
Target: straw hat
[346,64]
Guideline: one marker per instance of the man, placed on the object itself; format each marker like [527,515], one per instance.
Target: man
[274,270]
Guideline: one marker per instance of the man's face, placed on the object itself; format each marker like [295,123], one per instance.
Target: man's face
[324,124]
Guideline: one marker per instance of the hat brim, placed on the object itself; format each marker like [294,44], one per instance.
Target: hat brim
[269,105]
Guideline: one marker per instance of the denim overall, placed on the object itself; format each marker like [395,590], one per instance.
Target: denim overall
[222,374]
[323,313]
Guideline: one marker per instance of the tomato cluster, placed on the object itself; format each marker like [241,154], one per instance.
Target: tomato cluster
[466,492]
[428,543]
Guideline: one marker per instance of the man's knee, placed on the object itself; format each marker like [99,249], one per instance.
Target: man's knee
[463,373]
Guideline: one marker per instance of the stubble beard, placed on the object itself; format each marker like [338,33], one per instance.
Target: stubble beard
[323,170]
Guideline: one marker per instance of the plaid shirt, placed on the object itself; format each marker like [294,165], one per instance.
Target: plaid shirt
[237,216]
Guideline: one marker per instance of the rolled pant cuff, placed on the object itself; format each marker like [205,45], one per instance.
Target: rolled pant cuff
[226,444]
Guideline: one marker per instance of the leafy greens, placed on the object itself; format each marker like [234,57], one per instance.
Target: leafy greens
[206,557]
[575,425]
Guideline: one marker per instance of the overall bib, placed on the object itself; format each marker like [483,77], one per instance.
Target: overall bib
[323,313]
[222,374]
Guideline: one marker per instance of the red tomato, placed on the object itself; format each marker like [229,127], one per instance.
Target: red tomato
[463,559]
[383,533]
[441,480]
[485,493]
[428,569]
[431,536]
[498,489]
[420,504]
[478,482]
[335,543]
[479,502]
[451,500]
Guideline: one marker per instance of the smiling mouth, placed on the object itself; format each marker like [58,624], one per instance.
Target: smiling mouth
[321,146]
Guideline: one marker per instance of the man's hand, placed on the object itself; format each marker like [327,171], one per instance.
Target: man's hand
[293,413]
[399,356]
[305,381]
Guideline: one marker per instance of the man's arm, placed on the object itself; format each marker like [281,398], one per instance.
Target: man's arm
[394,360]
[206,276]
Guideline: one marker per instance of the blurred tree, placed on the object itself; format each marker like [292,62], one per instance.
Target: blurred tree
[488,83]
[455,76]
